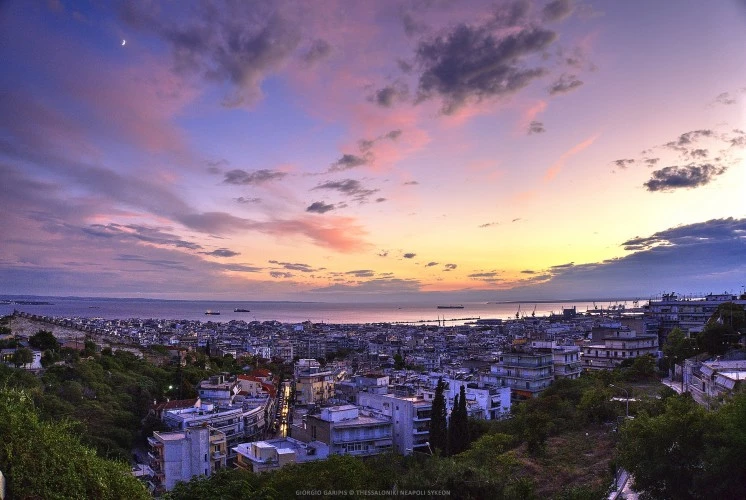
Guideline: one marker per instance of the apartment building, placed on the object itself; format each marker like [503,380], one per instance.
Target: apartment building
[482,401]
[526,373]
[181,455]
[410,419]
[613,343]
[710,381]
[312,384]
[229,420]
[262,456]
[690,314]
[565,358]
[218,389]
[347,430]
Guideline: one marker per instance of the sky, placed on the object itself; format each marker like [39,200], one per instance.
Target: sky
[423,150]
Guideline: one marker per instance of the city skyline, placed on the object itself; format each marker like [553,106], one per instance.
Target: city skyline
[372,150]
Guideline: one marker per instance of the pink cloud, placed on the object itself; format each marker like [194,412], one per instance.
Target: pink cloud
[557,166]
[342,234]
[138,102]
[530,114]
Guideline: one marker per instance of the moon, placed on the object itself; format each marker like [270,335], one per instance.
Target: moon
[123,42]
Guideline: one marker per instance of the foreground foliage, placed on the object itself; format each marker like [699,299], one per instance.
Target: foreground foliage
[686,451]
[46,460]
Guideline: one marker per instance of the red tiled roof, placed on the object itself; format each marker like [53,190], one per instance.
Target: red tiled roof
[271,390]
[176,403]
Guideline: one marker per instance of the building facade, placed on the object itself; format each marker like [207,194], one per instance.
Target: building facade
[613,344]
[182,455]
[262,456]
[349,431]
[410,419]
[526,373]
[312,384]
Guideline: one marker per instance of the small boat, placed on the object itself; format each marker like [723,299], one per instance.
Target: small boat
[455,306]
[212,313]
[239,310]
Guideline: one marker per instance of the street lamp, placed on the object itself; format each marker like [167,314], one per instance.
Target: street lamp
[626,394]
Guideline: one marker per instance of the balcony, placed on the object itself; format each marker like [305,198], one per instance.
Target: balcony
[545,376]
[154,443]
[524,364]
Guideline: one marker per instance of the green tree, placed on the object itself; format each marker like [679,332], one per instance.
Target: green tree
[729,314]
[458,428]
[46,459]
[439,420]
[596,406]
[44,340]
[664,454]
[398,361]
[641,368]
[22,356]
[715,339]
[724,474]
[678,347]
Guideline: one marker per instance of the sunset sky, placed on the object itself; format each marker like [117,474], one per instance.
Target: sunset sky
[372,150]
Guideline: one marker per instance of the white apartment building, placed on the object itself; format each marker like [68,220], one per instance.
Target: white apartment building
[261,456]
[218,389]
[525,373]
[230,421]
[349,431]
[710,381]
[566,358]
[410,418]
[181,455]
[486,402]
[617,344]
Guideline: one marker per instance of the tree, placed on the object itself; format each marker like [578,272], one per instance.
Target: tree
[398,361]
[43,340]
[642,368]
[678,347]
[458,429]
[729,314]
[664,454]
[724,474]
[22,356]
[715,339]
[46,459]
[722,330]
[439,420]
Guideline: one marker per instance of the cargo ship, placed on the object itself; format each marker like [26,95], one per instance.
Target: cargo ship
[239,310]
[212,313]
[455,306]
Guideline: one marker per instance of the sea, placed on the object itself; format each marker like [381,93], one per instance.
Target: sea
[291,312]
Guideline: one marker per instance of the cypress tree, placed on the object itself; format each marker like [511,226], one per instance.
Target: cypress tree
[439,420]
[458,430]
[452,428]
